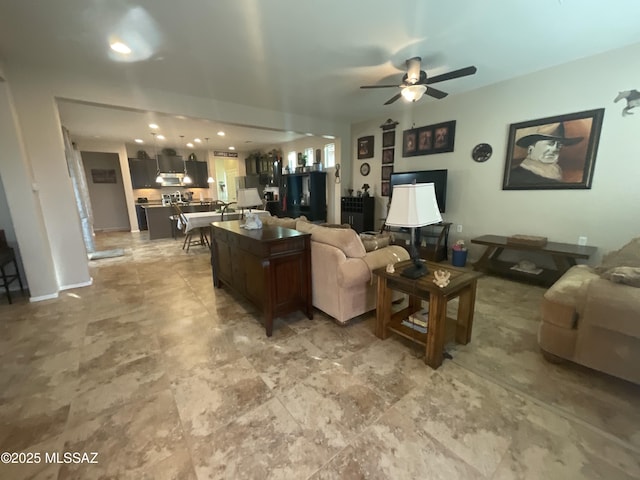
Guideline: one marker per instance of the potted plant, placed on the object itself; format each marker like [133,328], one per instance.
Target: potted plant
[459,254]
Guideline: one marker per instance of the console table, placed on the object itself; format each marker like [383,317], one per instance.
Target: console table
[433,240]
[564,256]
[440,328]
[271,267]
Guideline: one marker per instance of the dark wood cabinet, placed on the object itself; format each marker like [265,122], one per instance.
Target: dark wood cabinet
[143,173]
[199,173]
[270,266]
[306,194]
[359,212]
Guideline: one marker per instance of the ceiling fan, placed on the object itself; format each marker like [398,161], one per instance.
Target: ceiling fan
[415,82]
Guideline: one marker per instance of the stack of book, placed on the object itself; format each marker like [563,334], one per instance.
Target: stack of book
[418,321]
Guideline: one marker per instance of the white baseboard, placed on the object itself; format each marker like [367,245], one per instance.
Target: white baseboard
[40,298]
[77,285]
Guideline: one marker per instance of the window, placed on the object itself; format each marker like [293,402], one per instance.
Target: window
[292,161]
[309,153]
[330,155]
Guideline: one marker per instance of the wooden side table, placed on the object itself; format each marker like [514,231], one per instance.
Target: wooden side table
[440,328]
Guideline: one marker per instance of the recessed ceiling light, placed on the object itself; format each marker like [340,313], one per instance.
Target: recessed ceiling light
[309,134]
[153,125]
[190,145]
[232,148]
[139,140]
[160,137]
[197,140]
[221,133]
[120,48]
[330,137]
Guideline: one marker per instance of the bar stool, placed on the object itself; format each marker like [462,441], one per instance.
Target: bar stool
[7,257]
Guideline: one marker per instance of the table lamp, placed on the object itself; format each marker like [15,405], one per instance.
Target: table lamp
[414,206]
[248,197]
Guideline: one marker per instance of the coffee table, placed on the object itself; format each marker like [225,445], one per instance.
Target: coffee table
[440,328]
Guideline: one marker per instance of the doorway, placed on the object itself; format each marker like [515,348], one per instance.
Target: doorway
[106,191]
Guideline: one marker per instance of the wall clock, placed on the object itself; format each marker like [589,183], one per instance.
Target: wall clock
[481,152]
[365,168]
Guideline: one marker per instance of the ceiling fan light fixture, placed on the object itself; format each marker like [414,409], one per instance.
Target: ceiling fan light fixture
[413,93]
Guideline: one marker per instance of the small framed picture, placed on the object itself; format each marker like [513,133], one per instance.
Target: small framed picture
[409,142]
[425,139]
[365,147]
[387,156]
[387,170]
[385,189]
[389,139]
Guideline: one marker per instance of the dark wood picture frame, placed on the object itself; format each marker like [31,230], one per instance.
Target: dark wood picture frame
[430,139]
[385,188]
[103,175]
[410,142]
[572,138]
[388,138]
[365,147]
[388,155]
[387,170]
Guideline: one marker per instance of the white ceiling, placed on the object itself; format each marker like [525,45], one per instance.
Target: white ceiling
[299,56]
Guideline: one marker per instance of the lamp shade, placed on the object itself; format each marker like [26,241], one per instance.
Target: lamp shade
[248,197]
[413,205]
[413,93]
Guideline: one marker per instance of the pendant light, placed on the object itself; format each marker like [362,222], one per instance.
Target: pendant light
[210,179]
[187,179]
[155,154]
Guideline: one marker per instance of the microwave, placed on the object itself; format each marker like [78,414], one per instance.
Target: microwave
[172,179]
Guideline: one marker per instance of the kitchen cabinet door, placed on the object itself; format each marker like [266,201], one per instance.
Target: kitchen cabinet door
[139,171]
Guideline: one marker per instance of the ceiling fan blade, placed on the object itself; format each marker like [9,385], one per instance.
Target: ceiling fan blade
[463,72]
[435,93]
[377,86]
[393,99]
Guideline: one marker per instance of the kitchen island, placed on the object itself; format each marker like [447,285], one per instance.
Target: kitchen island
[158,221]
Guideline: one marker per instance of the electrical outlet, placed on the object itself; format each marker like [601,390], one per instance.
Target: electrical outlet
[459,228]
[582,240]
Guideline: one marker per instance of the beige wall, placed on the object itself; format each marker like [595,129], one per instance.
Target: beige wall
[47,223]
[607,213]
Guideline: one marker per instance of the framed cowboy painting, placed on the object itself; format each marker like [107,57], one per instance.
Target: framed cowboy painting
[553,153]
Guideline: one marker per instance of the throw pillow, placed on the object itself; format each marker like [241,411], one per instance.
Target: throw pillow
[627,275]
[374,242]
[627,256]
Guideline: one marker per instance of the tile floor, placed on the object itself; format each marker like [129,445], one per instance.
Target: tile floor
[167,378]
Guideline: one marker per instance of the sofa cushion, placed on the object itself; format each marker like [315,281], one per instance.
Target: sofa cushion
[285,222]
[345,239]
[627,256]
[373,242]
[627,275]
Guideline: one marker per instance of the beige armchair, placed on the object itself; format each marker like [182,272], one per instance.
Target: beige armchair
[343,285]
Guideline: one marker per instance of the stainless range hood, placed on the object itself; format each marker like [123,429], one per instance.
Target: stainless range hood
[172,179]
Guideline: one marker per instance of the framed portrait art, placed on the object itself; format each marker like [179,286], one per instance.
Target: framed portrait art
[384,189]
[437,138]
[387,170]
[365,147]
[409,142]
[553,152]
[388,139]
[387,156]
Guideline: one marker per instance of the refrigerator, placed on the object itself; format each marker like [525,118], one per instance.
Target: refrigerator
[250,181]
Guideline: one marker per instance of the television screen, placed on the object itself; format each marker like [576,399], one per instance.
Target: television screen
[437,177]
